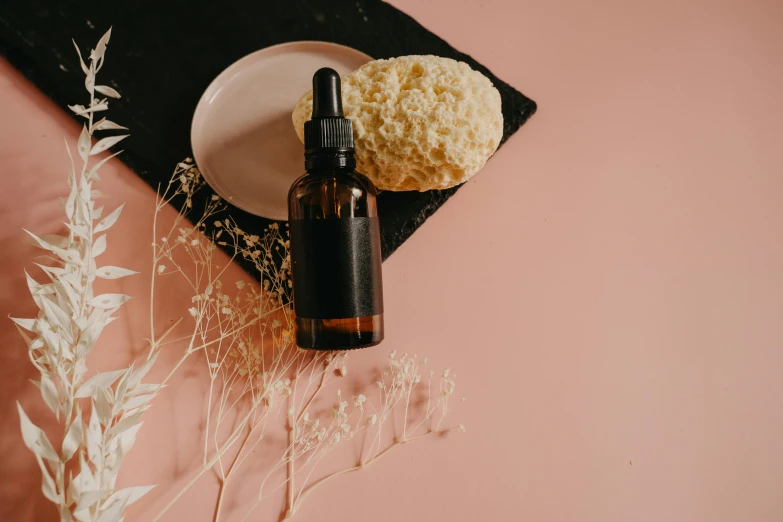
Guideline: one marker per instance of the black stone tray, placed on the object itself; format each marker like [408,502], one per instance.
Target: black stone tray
[164,53]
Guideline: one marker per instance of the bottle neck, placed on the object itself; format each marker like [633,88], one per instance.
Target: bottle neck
[329,160]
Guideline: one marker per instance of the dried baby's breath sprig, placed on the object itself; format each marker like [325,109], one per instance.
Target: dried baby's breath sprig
[260,383]
[100,416]
[313,436]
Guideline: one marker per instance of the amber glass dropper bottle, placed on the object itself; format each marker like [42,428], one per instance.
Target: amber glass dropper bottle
[335,240]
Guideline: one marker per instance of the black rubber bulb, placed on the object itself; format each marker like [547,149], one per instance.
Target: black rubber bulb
[327,98]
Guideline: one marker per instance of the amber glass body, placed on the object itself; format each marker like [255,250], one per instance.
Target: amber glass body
[335,194]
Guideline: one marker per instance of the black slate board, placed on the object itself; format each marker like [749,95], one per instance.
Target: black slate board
[164,53]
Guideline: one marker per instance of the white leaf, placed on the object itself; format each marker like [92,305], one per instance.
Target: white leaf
[114,457]
[99,247]
[41,243]
[81,323]
[100,48]
[143,388]
[81,110]
[32,344]
[113,272]
[71,255]
[88,498]
[71,167]
[34,438]
[93,438]
[80,231]
[113,514]
[139,400]
[57,317]
[27,324]
[85,186]
[56,240]
[97,382]
[47,289]
[89,80]
[64,288]
[84,144]
[34,288]
[127,495]
[103,407]
[126,423]
[49,394]
[128,438]
[96,213]
[109,220]
[94,169]
[52,340]
[51,271]
[139,374]
[105,124]
[105,143]
[74,436]
[70,278]
[71,492]
[81,61]
[122,387]
[88,338]
[85,481]
[106,301]
[78,109]
[82,514]
[60,296]
[107,91]
[82,215]
[71,201]
[47,483]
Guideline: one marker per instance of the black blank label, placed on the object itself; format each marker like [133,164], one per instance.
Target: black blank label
[336,266]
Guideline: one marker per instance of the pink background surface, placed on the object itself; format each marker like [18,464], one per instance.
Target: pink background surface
[608,289]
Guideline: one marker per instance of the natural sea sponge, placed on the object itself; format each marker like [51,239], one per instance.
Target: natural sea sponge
[419,122]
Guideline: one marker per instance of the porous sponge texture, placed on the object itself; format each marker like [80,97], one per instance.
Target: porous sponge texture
[419,122]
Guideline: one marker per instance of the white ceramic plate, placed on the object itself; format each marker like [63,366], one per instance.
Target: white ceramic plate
[242,136]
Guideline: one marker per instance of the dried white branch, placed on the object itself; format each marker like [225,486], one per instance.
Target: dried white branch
[70,320]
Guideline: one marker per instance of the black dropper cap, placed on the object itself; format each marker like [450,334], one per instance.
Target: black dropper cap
[328,135]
